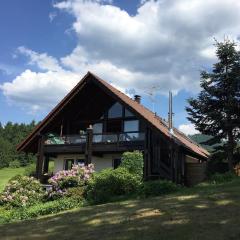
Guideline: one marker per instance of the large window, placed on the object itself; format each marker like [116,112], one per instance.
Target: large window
[97,131]
[131,126]
[115,111]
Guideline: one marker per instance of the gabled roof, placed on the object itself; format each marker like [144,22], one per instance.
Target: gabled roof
[145,113]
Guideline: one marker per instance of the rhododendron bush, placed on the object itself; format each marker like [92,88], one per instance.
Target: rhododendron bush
[21,191]
[62,180]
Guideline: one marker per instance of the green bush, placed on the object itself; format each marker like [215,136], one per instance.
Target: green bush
[14,164]
[76,193]
[133,162]
[69,182]
[222,178]
[110,183]
[38,210]
[30,170]
[158,187]
[21,191]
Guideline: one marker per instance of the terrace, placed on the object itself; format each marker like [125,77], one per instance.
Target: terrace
[107,142]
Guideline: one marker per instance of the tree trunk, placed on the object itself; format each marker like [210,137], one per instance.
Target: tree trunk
[230,150]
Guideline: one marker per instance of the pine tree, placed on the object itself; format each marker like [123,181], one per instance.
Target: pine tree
[216,110]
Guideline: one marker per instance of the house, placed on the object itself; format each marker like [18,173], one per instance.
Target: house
[96,123]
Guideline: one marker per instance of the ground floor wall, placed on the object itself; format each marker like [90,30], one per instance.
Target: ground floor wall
[105,161]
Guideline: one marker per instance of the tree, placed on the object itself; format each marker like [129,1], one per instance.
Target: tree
[10,136]
[216,110]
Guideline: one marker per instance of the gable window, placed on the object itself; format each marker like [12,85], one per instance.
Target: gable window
[115,111]
[128,113]
[68,164]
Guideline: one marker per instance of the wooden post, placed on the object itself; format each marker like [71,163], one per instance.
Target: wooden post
[88,150]
[40,158]
[46,164]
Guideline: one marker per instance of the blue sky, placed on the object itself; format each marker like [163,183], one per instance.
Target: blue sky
[138,46]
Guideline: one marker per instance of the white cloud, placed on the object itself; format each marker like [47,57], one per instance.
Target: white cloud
[52,15]
[163,46]
[188,129]
[43,61]
[38,91]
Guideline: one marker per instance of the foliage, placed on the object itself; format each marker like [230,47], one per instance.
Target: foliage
[30,170]
[77,176]
[7,173]
[14,164]
[76,193]
[222,178]
[204,141]
[158,187]
[39,209]
[217,163]
[63,180]
[110,183]
[133,162]
[21,191]
[10,136]
[214,112]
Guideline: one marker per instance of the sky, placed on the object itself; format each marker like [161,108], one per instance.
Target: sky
[145,47]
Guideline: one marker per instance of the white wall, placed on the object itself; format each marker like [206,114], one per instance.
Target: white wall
[99,162]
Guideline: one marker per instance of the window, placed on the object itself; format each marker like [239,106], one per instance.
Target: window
[115,111]
[80,161]
[116,162]
[131,126]
[68,164]
[128,113]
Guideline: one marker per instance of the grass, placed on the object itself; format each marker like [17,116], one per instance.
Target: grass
[7,173]
[205,212]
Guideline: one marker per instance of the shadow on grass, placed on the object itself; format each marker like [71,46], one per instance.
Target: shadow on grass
[212,214]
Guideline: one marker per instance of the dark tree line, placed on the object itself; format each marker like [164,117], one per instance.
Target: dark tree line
[216,110]
[10,136]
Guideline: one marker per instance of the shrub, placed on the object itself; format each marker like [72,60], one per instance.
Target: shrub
[64,180]
[77,176]
[222,178]
[158,187]
[21,191]
[133,162]
[76,193]
[110,183]
[14,164]
[30,170]
[52,207]
[39,209]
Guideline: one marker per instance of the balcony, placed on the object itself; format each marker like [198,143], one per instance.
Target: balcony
[107,142]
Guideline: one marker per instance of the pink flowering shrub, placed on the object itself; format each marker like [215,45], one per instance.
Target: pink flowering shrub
[63,180]
[21,191]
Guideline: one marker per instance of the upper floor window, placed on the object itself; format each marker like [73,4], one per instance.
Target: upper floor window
[128,113]
[115,111]
[131,126]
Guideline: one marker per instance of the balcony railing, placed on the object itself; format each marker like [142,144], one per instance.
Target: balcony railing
[97,138]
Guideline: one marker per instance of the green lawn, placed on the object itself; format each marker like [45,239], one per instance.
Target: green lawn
[206,213]
[7,173]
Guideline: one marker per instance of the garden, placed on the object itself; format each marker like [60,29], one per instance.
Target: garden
[24,197]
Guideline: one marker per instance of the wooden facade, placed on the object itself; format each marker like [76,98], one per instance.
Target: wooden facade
[96,119]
